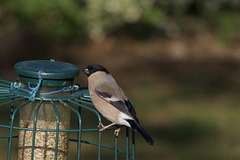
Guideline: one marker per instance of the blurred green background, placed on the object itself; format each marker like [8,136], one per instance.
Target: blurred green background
[178,61]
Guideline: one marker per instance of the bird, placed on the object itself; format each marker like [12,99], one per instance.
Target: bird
[111,101]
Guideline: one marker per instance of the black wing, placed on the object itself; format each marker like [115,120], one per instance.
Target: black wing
[124,106]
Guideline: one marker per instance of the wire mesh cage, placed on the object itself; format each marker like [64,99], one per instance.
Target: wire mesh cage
[41,104]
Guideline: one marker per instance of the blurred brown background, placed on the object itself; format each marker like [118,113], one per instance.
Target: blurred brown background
[178,61]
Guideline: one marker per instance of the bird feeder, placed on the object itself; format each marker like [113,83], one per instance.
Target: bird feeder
[41,104]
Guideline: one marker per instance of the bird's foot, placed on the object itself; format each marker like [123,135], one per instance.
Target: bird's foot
[116,131]
[101,127]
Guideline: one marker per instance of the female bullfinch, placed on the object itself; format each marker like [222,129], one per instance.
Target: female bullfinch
[110,100]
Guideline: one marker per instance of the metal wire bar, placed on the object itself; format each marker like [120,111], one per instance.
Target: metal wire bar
[49,130]
[11,110]
[5,85]
[11,129]
[12,101]
[10,97]
[4,81]
[79,127]
[133,144]
[34,128]
[86,99]
[127,143]
[57,129]
[116,147]
[2,137]
[85,107]
[4,88]
[102,145]
[99,144]
[4,92]
[99,120]
[6,95]
[80,112]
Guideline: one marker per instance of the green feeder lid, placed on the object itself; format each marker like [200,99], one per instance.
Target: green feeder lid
[53,73]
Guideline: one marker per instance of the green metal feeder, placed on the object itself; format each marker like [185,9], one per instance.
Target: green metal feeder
[41,103]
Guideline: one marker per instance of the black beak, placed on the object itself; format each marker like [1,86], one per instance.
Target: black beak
[86,71]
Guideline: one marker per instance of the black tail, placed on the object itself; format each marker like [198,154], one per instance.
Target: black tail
[136,126]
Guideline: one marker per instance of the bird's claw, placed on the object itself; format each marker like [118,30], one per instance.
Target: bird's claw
[101,127]
[116,132]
